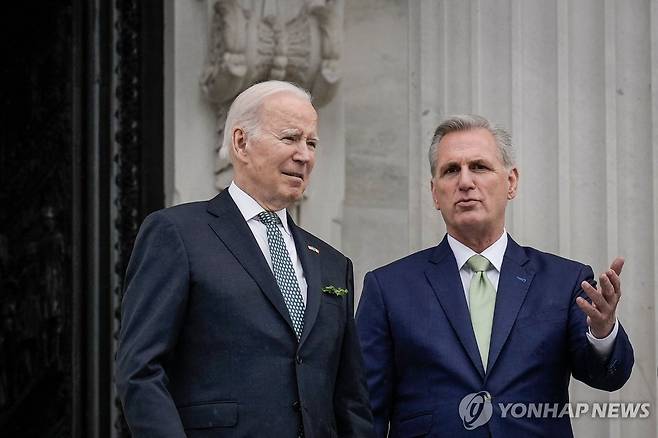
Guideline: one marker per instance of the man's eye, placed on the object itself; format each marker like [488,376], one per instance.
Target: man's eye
[450,170]
[480,167]
[312,144]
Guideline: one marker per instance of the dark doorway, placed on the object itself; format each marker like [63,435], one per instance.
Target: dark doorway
[80,166]
[39,355]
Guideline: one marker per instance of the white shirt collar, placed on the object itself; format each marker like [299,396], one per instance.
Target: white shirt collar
[493,253]
[249,207]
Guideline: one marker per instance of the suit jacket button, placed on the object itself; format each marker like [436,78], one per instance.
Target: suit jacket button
[298,359]
[296,405]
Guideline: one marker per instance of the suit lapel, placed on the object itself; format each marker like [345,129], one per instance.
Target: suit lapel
[229,225]
[443,275]
[312,271]
[513,285]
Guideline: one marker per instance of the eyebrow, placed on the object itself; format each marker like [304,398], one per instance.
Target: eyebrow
[448,165]
[479,160]
[297,132]
[290,131]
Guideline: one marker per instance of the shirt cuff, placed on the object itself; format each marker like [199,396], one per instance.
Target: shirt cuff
[603,346]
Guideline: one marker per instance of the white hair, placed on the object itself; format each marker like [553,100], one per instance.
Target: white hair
[244,111]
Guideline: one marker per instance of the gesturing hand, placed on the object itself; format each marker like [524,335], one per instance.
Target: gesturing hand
[601,313]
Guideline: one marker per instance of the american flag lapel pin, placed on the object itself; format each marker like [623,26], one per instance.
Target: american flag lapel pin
[312,248]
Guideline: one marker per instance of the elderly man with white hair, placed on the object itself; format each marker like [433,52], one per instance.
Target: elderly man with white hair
[236,322]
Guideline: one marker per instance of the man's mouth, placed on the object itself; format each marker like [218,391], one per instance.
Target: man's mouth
[295,175]
[466,202]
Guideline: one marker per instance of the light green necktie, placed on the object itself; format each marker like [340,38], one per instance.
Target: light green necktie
[482,300]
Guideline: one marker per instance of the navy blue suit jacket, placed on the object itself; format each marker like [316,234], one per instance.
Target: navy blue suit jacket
[207,347]
[422,358]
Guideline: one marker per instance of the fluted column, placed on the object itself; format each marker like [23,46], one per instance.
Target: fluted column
[575,82]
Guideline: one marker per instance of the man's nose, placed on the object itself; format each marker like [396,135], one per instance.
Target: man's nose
[466,179]
[303,152]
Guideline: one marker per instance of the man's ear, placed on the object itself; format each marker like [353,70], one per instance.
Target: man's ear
[434,196]
[513,179]
[239,143]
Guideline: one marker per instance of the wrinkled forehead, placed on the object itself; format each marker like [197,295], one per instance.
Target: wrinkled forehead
[289,107]
[468,144]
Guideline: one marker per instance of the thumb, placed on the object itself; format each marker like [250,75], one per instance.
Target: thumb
[617,265]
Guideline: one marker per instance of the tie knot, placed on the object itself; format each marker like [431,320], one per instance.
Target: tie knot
[478,263]
[269,218]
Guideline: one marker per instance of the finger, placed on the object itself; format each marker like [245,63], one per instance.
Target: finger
[607,289]
[607,293]
[615,281]
[595,295]
[588,309]
[617,265]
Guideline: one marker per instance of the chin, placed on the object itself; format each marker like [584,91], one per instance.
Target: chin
[470,222]
[293,196]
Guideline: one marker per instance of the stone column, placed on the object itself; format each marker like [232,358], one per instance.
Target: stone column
[574,81]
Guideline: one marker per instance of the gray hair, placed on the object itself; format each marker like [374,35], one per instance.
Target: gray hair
[244,110]
[468,122]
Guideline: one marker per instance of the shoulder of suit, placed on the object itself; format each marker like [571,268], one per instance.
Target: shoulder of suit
[541,257]
[180,213]
[407,263]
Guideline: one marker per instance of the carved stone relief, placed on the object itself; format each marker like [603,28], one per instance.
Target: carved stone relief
[257,40]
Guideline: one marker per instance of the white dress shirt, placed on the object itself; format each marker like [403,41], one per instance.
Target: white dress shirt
[250,209]
[495,254]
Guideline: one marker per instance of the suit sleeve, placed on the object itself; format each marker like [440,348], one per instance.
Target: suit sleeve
[377,346]
[586,364]
[351,405]
[152,311]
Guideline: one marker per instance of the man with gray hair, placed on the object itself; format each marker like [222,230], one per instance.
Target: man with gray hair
[235,321]
[453,334]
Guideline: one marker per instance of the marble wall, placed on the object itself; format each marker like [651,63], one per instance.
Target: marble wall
[376,218]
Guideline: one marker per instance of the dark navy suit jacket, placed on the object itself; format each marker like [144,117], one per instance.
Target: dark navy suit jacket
[421,356]
[207,347]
